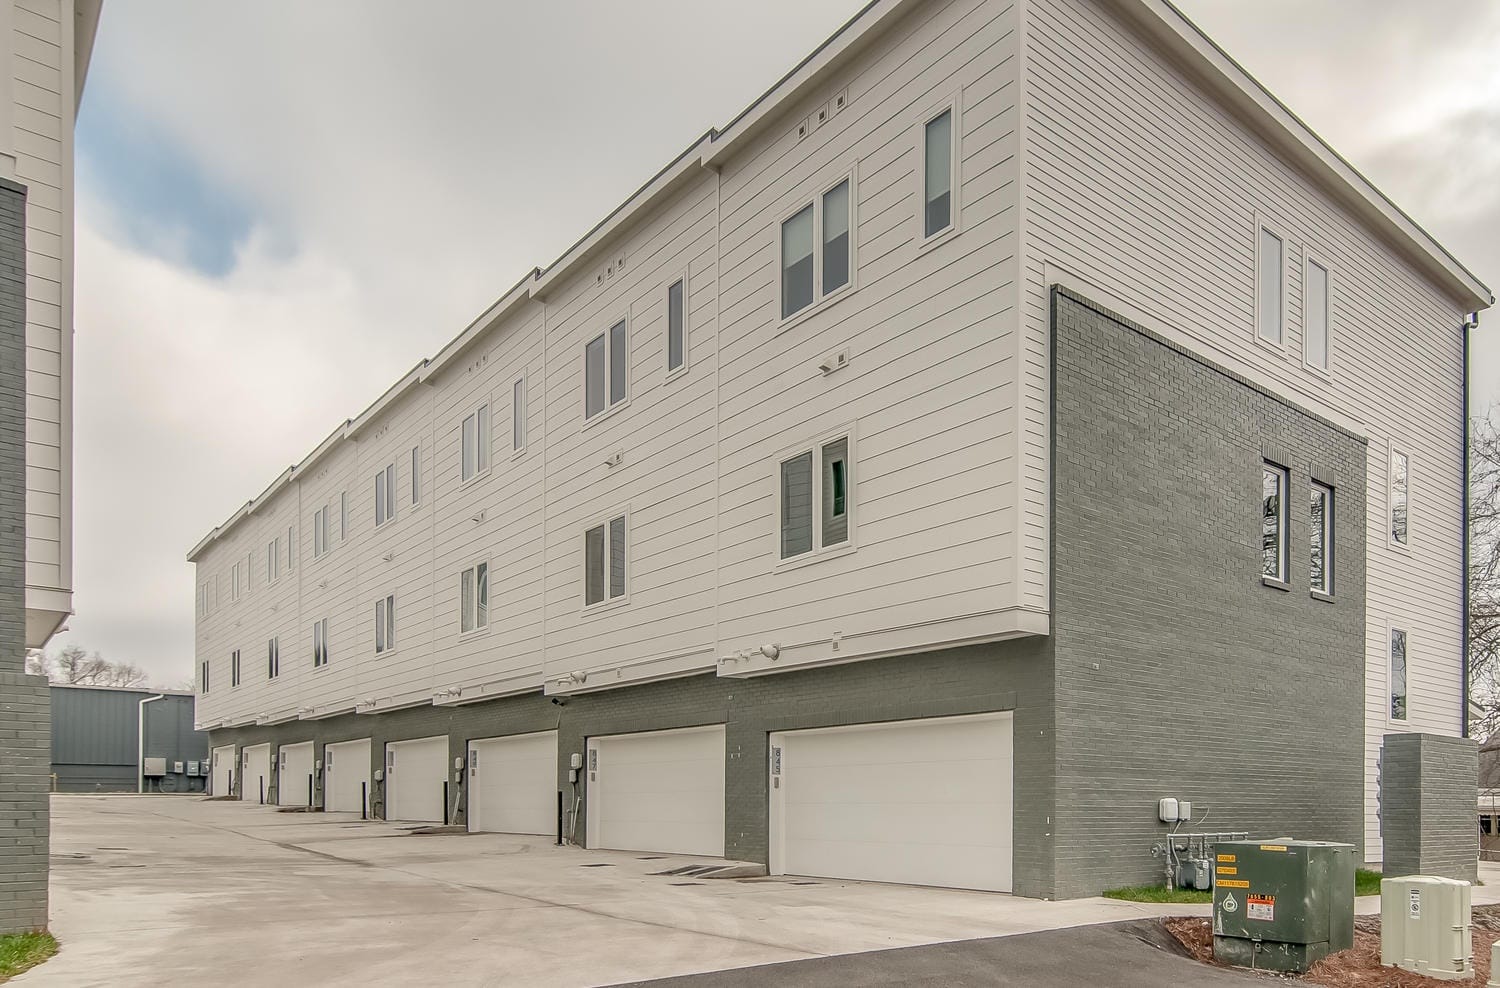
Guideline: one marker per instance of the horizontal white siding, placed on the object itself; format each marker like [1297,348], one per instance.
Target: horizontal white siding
[1140,184]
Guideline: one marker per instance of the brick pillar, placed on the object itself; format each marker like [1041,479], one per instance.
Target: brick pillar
[1429,823]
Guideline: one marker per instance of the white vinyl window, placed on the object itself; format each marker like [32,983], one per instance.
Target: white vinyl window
[1270,284]
[518,415]
[320,532]
[203,600]
[1400,499]
[1317,316]
[938,157]
[605,370]
[236,582]
[416,475]
[1398,674]
[320,643]
[475,443]
[817,249]
[385,624]
[234,668]
[1320,527]
[604,560]
[1273,523]
[677,325]
[343,516]
[474,598]
[291,542]
[815,498]
[273,658]
[273,560]
[203,676]
[385,494]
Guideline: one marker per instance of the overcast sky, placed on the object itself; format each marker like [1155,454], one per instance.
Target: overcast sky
[283,206]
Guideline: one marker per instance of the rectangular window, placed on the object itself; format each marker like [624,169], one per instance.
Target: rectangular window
[475,453]
[273,560]
[1270,268]
[291,541]
[385,624]
[676,324]
[797,262]
[273,658]
[835,238]
[474,598]
[817,252]
[604,370]
[818,476]
[320,532]
[518,414]
[203,600]
[343,516]
[1316,316]
[385,494]
[1400,497]
[604,562]
[1398,674]
[1273,523]
[234,668]
[320,643]
[1321,528]
[937,174]
[416,475]
[235,584]
[203,676]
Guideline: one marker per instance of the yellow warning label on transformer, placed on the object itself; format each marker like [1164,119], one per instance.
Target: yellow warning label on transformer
[1227,858]
[1273,847]
[1228,870]
[1232,883]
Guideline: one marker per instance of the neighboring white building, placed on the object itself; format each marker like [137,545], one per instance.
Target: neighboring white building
[789,409]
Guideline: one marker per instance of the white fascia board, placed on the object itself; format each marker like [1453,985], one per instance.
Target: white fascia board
[1163,23]
[364,419]
[488,319]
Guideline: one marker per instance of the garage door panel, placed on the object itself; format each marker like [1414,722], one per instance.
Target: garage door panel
[658,792]
[346,776]
[255,771]
[414,780]
[294,780]
[222,759]
[920,802]
[513,784]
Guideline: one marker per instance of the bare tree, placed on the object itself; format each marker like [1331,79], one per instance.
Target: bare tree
[77,667]
[1484,573]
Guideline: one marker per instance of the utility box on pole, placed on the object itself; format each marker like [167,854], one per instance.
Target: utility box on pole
[1282,905]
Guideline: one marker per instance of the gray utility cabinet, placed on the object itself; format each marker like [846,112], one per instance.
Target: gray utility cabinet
[1281,905]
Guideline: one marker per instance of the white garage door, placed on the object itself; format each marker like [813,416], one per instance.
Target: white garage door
[294,775]
[222,759]
[924,802]
[414,775]
[662,791]
[255,773]
[346,776]
[513,784]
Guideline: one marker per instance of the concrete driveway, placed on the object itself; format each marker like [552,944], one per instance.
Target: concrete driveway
[178,890]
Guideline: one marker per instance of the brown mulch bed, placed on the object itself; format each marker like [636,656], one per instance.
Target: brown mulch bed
[1358,967]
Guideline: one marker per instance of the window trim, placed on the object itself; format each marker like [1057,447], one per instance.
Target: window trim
[489,572]
[1265,223]
[273,658]
[1312,257]
[1330,540]
[321,651]
[273,560]
[1390,635]
[815,446]
[387,477]
[480,442]
[820,300]
[416,476]
[234,582]
[617,317]
[385,613]
[203,669]
[525,415]
[1284,518]
[320,531]
[234,669]
[291,540]
[1392,452]
[673,373]
[951,102]
[597,520]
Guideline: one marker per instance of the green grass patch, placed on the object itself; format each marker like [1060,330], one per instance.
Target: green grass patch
[20,951]
[1156,893]
[1366,882]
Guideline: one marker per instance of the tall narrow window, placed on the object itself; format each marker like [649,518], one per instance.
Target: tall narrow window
[474,598]
[937,172]
[291,542]
[604,370]
[203,600]
[1320,527]
[604,562]
[1269,290]
[1398,674]
[475,452]
[1316,316]
[1273,523]
[797,262]
[518,414]
[203,676]
[273,658]
[234,668]
[343,516]
[676,325]
[385,624]
[236,584]
[1400,498]
[273,560]
[320,643]
[836,237]
[385,494]
[816,495]
[320,532]
[416,475]
[619,353]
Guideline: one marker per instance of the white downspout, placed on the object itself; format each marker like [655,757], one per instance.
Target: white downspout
[140,743]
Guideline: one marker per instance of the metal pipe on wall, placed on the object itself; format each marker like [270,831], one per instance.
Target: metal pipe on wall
[140,742]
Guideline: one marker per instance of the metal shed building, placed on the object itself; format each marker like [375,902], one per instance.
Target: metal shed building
[114,739]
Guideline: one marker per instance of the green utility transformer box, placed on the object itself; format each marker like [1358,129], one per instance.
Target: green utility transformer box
[1281,905]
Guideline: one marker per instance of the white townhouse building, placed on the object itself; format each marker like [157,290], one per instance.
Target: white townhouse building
[1014,417]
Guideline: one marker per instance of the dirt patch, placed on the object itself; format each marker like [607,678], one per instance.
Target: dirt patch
[1358,967]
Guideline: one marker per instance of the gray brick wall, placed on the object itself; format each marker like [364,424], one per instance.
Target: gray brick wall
[1179,673]
[1428,791]
[25,736]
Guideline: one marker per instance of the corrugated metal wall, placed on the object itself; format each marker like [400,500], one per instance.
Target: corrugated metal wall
[95,740]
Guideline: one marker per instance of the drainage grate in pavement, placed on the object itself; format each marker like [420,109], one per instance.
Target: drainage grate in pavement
[601,864]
